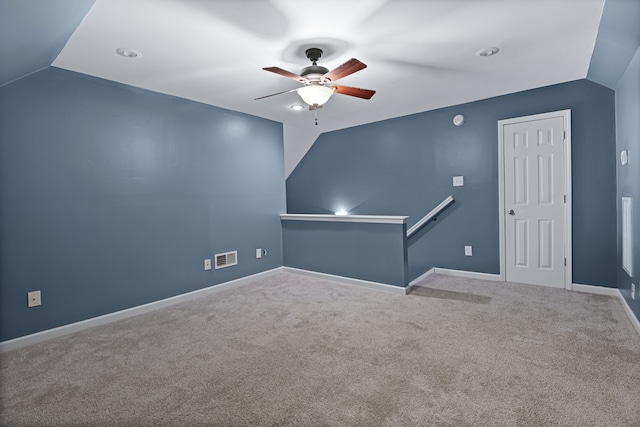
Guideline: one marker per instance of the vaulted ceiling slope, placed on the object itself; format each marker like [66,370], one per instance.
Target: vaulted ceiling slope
[618,39]
[33,32]
[420,55]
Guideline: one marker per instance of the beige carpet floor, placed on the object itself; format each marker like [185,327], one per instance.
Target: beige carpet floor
[290,350]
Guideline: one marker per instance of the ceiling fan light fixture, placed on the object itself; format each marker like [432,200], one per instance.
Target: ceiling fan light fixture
[315,94]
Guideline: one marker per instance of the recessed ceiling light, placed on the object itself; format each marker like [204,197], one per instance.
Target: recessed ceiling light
[487,51]
[128,53]
[297,107]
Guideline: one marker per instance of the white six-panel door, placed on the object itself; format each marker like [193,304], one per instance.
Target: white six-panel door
[534,200]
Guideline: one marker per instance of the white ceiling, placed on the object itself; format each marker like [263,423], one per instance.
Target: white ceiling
[420,54]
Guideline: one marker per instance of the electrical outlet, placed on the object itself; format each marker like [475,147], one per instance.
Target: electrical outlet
[258,253]
[458,181]
[633,291]
[34,299]
[468,251]
[207,264]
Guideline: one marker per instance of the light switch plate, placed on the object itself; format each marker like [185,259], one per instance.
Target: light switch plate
[258,253]
[458,181]
[468,250]
[207,264]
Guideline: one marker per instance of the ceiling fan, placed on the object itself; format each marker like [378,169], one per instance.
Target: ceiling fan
[318,80]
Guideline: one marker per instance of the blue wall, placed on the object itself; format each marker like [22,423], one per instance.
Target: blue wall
[112,197]
[373,252]
[404,166]
[628,138]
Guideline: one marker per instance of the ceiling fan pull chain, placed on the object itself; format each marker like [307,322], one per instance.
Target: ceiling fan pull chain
[316,113]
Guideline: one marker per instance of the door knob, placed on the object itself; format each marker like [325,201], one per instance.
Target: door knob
[511,212]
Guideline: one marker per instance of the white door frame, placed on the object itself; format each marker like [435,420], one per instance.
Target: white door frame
[568,250]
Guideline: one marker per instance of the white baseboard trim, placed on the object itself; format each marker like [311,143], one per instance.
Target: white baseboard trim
[468,274]
[350,281]
[129,312]
[627,309]
[600,290]
[456,273]
[422,277]
[134,311]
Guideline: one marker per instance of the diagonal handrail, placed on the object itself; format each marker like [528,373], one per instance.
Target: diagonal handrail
[428,217]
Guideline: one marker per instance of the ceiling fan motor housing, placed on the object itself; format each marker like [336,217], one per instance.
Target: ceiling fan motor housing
[313,54]
[313,69]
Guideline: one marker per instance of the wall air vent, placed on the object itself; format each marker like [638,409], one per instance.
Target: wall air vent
[226,259]
[627,236]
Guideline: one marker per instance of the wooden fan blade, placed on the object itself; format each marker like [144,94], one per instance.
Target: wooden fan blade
[285,73]
[349,67]
[354,91]
[274,94]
